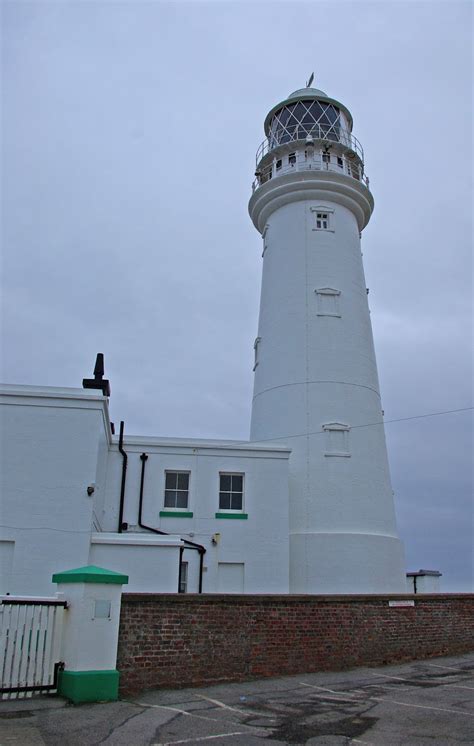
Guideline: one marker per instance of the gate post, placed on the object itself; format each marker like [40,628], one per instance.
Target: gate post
[90,633]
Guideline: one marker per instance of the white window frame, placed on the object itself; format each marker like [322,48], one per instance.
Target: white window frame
[339,427]
[231,474]
[323,209]
[177,471]
[255,349]
[324,293]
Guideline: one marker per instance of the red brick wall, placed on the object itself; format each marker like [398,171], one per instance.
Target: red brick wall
[187,640]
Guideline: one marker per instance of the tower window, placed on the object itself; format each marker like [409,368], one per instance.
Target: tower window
[176,489]
[326,157]
[278,164]
[323,218]
[255,348]
[337,439]
[265,240]
[328,302]
[292,159]
[231,491]
[340,162]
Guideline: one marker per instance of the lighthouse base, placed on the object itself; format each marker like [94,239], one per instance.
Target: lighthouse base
[346,563]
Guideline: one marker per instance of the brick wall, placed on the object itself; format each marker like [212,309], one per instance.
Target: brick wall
[186,640]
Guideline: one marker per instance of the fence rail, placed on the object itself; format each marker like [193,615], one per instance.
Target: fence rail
[30,641]
[337,164]
[319,132]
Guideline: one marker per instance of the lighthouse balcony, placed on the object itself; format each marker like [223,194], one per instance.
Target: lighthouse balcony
[311,132]
[301,157]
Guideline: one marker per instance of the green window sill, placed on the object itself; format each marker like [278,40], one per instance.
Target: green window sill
[175,514]
[241,516]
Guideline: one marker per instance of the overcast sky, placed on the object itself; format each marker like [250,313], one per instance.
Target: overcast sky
[129,139]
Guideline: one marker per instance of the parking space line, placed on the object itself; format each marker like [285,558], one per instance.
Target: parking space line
[178,710]
[393,701]
[411,681]
[339,697]
[220,704]
[437,665]
[201,738]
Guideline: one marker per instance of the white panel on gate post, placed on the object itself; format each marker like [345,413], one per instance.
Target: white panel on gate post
[90,635]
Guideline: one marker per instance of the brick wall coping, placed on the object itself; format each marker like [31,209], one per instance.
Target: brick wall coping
[236,599]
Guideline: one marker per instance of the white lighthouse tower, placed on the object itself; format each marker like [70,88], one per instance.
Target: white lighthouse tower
[316,382]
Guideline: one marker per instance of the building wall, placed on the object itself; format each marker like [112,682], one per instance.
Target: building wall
[174,641]
[316,369]
[49,455]
[258,541]
[57,442]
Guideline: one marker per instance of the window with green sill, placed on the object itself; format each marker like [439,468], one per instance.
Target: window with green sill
[176,495]
[231,495]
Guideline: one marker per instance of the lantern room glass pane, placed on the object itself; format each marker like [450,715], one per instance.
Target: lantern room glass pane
[296,121]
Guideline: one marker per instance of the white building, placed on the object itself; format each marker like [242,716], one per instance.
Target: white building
[306,505]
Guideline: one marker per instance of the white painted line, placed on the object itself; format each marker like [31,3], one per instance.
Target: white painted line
[176,709]
[395,702]
[338,698]
[423,707]
[414,683]
[220,704]
[436,665]
[202,738]
[201,717]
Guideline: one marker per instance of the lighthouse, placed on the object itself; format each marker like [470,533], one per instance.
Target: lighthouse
[316,384]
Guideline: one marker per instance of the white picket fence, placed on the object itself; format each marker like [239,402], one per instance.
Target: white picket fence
[30,644]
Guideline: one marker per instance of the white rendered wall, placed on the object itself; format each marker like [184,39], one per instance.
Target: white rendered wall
[57,442]
[260,541]
[318,369]
[151,562]
[49,455]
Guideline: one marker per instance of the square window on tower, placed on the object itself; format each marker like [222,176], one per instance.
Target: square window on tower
[323,217]
[322,220]
[337,439]
[328,302]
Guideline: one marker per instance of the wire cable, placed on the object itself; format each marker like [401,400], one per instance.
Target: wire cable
[369,424]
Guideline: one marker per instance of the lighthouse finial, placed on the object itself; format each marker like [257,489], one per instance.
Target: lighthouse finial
[311,78]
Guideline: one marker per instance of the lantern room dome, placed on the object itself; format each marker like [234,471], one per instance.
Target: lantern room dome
[308,92]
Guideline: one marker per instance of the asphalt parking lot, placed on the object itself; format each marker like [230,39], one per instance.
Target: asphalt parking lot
[429,701]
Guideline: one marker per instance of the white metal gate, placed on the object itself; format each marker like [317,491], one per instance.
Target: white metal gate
[30,643]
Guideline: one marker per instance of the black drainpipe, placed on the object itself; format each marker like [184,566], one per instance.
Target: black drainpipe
[188,544]
[121,524]
[181,550]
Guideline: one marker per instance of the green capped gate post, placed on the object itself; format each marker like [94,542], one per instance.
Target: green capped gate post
[90,634]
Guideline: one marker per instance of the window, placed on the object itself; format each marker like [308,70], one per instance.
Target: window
[328,301]
[255,347]
[278,164]
[264,236]
[183,578]
[292,159]
[340,162]
[337,439]
[176,489]
[326,157]
[322,220]
[231,491]
[323,217]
